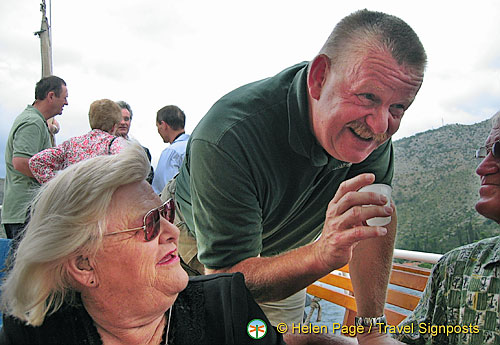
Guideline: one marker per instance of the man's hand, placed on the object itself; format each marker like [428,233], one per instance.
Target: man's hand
[345,222]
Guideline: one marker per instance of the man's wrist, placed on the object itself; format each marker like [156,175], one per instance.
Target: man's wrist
[370,321]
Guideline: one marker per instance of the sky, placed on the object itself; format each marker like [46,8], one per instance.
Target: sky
[191,52]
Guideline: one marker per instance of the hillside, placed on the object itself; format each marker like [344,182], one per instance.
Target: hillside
[1,192]
[2,232]
[436,188]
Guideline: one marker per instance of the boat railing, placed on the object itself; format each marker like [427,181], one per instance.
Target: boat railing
[407,281]
[412,255]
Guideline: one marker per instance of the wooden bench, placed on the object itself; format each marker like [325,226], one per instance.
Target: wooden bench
[412,278]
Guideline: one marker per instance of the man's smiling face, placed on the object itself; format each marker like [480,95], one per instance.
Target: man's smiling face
[124,125]
[359,104]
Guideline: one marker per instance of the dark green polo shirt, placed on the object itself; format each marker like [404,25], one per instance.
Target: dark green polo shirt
[255,180]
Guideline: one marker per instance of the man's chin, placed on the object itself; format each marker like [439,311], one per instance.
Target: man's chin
[352,156]
[488,210]
[354,159]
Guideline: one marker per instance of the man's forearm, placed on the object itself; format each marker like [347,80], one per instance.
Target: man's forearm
[370,268]
[277,277]
[21,164]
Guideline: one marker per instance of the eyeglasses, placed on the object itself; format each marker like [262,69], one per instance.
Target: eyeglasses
[494,148]
[151,225]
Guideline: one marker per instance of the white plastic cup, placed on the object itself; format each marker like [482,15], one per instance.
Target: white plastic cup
[381,189]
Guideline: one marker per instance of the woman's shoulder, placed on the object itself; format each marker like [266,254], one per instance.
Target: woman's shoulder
[71,324]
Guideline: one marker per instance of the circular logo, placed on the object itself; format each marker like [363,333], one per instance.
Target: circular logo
[256,329]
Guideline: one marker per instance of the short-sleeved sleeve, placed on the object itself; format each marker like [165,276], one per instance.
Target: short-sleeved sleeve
[25,143]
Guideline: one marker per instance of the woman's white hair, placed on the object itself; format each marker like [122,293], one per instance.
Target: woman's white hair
[67,219]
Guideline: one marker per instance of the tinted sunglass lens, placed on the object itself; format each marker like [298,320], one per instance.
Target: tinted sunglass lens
[495,149]
[171,210]
[152,220]
[168,211]
[152,227]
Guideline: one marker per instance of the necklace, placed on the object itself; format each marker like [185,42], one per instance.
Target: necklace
[168,323]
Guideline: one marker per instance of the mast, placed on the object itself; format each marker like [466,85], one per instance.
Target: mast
[46,52]
[45,42]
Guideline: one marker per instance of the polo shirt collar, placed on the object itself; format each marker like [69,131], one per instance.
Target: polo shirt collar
[32,108]
[300,135]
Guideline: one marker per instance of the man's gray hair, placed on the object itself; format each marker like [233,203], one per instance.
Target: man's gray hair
[495,120]
[365,29]
[68,218]
[125,105]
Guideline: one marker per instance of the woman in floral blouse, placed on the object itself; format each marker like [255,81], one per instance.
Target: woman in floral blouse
[104,117]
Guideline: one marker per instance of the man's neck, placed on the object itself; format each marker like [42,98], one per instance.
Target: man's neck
[177,135]
[42,108]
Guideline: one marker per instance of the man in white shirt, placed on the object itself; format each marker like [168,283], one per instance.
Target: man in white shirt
[170,121]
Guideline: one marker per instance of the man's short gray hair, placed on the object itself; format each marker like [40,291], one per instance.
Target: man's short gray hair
[68,218]
[495,120]
[367,29]
[125,105]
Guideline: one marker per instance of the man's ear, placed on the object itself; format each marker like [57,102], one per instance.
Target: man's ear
[318,72]
[161,124]
[82,270]
[165,125]
[51,95]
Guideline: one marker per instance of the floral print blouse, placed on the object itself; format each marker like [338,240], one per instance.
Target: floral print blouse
[45,164]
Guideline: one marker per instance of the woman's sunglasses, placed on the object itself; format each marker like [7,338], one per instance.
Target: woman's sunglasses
[151,225]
